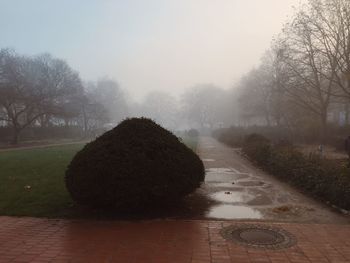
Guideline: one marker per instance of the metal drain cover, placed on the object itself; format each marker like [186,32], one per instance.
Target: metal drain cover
[259,236]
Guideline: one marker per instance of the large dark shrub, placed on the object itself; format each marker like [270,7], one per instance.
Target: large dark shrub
[135,165]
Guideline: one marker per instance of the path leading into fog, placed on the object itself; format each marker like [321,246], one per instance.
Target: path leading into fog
[235,189]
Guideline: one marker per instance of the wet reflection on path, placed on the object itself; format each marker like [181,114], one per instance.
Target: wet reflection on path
[233,212]
[235,189]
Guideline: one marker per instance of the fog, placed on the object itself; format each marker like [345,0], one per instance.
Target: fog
[81,67]
[147,45]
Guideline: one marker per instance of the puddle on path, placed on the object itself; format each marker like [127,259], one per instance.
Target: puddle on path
[233,212]
[250,183]
[227,185]
[231,197]
[209,160]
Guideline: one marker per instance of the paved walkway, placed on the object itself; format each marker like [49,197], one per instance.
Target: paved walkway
[165,241]
[242,191]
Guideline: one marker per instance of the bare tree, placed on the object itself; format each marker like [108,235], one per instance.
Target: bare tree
[57,85]
[17,96]
[311,83]
[108,93]
[31,88]
[203,105]
[161,107]
[306,73]
[330,21]
[255,95]
[93,113]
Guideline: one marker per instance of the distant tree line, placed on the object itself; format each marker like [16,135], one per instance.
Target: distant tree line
[203,106]
[304,78]
[43,97]
[43,91]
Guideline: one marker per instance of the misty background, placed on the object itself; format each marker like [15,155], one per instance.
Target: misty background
[83,66]
[147,45]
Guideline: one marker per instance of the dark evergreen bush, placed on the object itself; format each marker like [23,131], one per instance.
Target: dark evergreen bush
[135,165]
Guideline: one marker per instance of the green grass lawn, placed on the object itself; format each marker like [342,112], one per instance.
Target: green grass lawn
[32,181]
[43,170]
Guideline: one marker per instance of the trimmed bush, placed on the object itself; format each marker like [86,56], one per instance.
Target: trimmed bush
[135,165]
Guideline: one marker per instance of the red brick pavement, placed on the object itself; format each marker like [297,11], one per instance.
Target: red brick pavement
[44,240]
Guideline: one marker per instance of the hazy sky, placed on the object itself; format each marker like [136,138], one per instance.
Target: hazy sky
[147,45]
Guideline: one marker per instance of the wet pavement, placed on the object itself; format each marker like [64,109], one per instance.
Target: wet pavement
[39,240]
[235,189]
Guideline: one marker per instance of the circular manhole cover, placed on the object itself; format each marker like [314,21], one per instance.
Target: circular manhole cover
[259,236]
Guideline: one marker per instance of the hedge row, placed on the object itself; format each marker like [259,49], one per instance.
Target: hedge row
[325,179]
[234,136]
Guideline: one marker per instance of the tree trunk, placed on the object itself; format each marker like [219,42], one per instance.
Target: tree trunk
[267,119]
[42,122]
[66,122]
[324,128]
[347,117]
[15,136]
[85,121]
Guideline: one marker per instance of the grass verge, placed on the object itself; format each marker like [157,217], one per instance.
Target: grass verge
[32,181]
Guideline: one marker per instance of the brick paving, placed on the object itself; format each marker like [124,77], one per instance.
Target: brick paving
[46,240]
